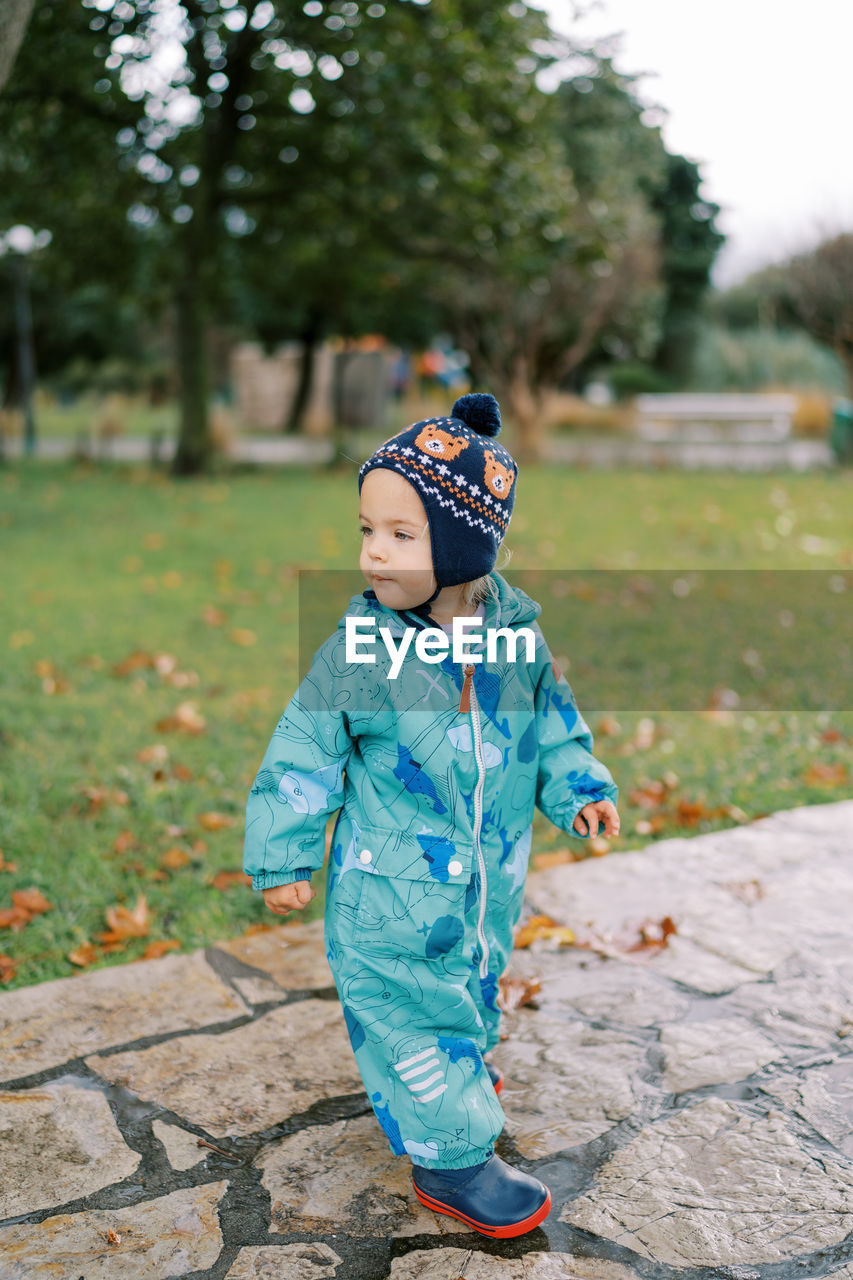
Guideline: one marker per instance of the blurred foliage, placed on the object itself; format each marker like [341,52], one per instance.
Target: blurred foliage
[344,168]
[758,359]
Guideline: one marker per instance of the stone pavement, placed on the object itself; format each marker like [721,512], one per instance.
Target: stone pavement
[690,1105]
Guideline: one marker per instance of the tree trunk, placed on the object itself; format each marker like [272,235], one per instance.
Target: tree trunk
[14,16]
[195,443]
[525,408]
[307,361]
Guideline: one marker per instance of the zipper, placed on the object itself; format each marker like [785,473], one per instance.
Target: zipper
[469,696]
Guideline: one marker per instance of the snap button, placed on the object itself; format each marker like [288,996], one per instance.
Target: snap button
[365,856]
[455,868]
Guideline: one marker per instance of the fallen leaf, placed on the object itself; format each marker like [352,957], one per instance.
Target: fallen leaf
[98,797]
[113,1237]
[186,719]
[819,774]
[543,928]
[213,821]
[136,661]
[227,879]
[157,753]
[155,950]
[14,918]
[258,926]
[182,773]
[175,858]
[32,901]
[7,866]
[124,840]
[84,955]
[213,617]
[7,968]
[749,891]
[690,812]
[513,993]
[124,923]
[242,636]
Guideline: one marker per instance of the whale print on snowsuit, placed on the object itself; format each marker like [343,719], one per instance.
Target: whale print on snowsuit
[428,857]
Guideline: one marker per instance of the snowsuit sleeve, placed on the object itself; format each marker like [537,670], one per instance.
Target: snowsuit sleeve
[569,775]
[299,783]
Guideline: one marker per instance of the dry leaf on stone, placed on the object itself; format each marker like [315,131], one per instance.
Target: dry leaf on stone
[215,821]
[513,993]
[227,879]
[638,940]
[543,929]
[113,1237]
[748,891]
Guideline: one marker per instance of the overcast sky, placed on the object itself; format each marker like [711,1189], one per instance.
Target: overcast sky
[760,93]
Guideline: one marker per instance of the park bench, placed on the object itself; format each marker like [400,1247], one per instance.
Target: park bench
[704,417]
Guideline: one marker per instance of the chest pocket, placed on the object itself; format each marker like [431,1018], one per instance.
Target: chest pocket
[413,893]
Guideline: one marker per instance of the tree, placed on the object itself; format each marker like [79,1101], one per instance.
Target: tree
[690,242]
[816,288]
[14,16]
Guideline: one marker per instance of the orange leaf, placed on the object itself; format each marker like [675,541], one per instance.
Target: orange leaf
[7,968]
[14,918]
[32,901]
[173,859]
[258,926]
[214,617]
[155,950]
[539,928]
[819,774]
[513,993]
[157,753]
[124,840]
[227,879]
[242,636]
[134,662]
[213,821]
[7,866]
[182,773]
[187,719]
[125,923]
[84,955]
[113,1237]
[99,796]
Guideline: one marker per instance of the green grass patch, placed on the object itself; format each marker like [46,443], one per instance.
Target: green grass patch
[99,563]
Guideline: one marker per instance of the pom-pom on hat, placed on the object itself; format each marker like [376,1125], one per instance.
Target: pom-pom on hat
[464,478]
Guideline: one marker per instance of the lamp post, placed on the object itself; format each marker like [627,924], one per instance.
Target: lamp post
[20,242]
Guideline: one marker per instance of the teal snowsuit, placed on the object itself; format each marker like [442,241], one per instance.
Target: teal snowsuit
[429,853]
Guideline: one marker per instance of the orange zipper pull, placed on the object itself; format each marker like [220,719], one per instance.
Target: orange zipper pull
[465,697]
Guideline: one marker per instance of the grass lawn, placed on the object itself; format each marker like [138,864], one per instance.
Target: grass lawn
[150,642]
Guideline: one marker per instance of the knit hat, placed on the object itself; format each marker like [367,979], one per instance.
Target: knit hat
[465,480]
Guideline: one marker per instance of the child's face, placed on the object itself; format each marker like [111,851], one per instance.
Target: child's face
[396,557]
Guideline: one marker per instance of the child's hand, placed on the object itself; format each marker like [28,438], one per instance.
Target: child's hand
[586,822]
[285,898]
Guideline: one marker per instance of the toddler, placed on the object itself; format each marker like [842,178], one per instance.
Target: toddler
[436,771]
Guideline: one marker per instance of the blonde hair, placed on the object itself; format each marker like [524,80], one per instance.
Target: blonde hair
[482,588]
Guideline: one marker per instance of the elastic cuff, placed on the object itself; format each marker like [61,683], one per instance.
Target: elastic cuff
[272,879]
[474,1155]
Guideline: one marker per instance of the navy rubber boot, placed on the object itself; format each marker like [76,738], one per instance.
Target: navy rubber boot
[495,1076]
[496,1200]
